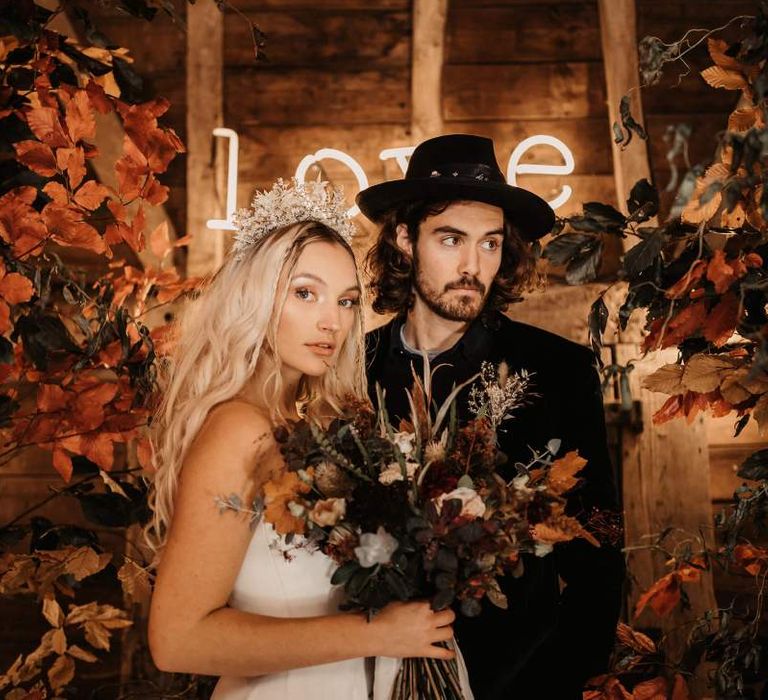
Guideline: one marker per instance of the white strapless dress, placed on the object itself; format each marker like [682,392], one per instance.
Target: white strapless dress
[283,581]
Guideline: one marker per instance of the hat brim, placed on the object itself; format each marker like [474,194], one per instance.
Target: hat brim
[530,214]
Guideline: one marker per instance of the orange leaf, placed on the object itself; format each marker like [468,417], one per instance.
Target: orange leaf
[5,317]
[16,288]
[635,640]
[98,98]
[742,119]
[717,51]
[720,272]
[50,398]
[719,77]
[45,125]
[662,596]
[80,121]
[57,192]
[671,408]
[686,323]
[687,281]
[722,320]
[62,463]
[654,689]
[154,192]
[67,227]
[72,160]
[131,169]
[158,240]
[20,224]
[91,195]
[561,477]
[38,157]
[144,455]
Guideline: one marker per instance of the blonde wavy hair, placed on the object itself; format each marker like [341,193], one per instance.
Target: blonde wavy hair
[224,337]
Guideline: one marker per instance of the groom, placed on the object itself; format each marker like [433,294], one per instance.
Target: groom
[452,253]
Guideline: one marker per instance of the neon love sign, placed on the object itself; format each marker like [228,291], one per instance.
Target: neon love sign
[400,155]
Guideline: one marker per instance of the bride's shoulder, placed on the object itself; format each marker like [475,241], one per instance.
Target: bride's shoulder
[239,424]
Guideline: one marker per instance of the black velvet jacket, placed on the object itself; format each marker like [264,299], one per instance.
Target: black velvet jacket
[548,642]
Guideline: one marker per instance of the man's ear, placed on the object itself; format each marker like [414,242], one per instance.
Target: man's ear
[403,240]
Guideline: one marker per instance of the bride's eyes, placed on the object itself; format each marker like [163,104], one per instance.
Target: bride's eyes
[349,303]
[304,294]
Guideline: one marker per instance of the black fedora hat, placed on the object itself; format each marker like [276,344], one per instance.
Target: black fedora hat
[459,167]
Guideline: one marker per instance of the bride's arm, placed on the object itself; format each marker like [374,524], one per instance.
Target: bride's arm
[192,630]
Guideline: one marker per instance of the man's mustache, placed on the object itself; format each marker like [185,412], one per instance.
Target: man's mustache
[467,283]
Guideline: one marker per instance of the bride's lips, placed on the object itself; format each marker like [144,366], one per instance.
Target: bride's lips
[323,349]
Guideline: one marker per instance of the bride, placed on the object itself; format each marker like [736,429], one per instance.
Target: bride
[277,335]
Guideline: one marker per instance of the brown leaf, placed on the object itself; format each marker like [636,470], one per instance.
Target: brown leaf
[719,77]
[760,413]
[79,116]
[734,218]
[97,635]
[717,51]
[131,169]
[51,397]
[722,320]
[91,195]
[662,596]
[654,689]
[154,192]
[57,192]
[98,98]
[59,640]
[680,688]
[72,161]
[45,125]
[62,463]
[732,390]
[703,373]
[666,380]
[52,611]
[82,654]
[85,562]
[38,157]
[67,227]
[742,119]
[16,288]
[62,672]
[687,281]
[20,224]
[694,212]
[562,474]
[159,242]
[635,640]
[135,581]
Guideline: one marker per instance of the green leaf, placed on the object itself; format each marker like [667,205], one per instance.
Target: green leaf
[755,467]
[344,573]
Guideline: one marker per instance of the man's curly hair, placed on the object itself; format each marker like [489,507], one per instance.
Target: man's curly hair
[391,272]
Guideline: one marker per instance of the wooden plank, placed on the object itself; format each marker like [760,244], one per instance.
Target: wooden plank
[311,97]
[724,461]
[720,432]
[665,475]
[588,138]
[311,38]
[516,3]
[619,40]
[429,17]
[530,91]
[327,5]
[523,33]
[205,161]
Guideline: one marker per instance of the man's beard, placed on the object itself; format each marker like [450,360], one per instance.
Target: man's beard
[464,308]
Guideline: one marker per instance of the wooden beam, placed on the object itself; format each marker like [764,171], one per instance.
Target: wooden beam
[429,18]
[618,35]
[665,469]
[206,160]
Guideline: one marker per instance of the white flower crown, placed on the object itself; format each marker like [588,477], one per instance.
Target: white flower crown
[289,203]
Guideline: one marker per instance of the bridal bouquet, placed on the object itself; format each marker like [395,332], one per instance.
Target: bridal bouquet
[418,510]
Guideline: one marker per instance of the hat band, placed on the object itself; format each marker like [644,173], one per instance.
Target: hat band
[473,171]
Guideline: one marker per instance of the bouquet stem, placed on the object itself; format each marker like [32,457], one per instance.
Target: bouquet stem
[427,679]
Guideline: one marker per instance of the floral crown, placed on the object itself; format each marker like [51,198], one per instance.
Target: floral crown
[289,203]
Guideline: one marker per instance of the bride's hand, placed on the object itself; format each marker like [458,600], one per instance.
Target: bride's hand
[404,630]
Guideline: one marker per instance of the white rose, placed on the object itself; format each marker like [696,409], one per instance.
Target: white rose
[376,548]
[472,506]
[328,511]
[404,442]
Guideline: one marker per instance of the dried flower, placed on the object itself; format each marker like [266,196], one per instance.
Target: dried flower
[404,442]
[435,449]
[393,472]
[499,392]
[376,548]
[328,512]
[331,480]
[472,505]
